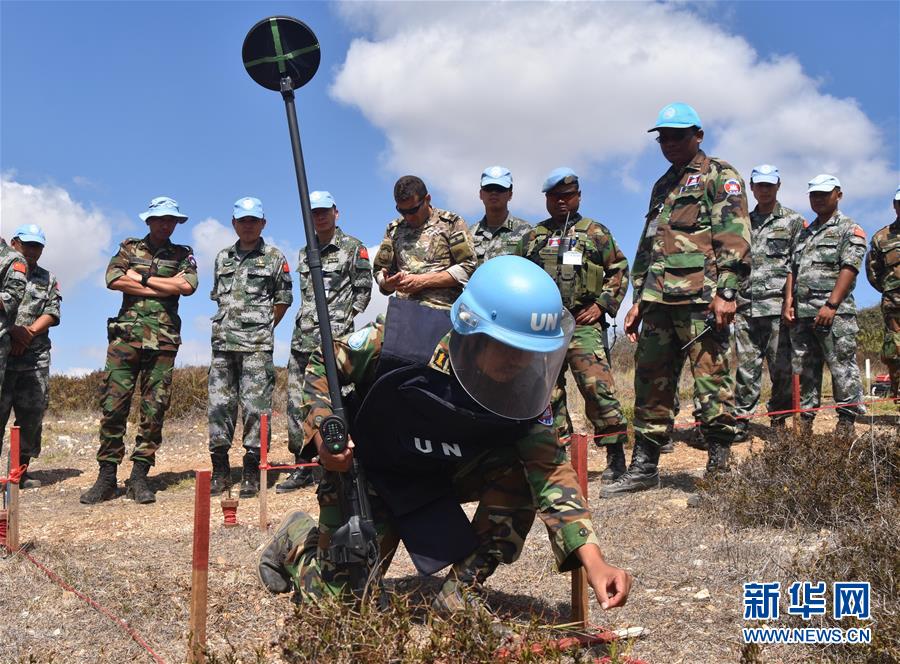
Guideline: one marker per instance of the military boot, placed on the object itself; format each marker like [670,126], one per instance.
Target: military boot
[743,431]
[105,486]
[806,426]
[615,462]
[221,472]
[299,477]
[668,447]
[845,430]
[717,460]
[642,473]
[136,486]
[27,481]
[250,478]
[297,537]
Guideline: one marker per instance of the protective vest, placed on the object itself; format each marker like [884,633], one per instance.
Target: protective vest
[577,281]
[414,428]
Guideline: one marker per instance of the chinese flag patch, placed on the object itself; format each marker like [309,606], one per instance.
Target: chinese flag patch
[286,268]
[19,266]
[859,232]
[364,253]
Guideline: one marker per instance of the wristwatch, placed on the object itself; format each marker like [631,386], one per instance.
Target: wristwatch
[145,278]
[727,294]
[831,306]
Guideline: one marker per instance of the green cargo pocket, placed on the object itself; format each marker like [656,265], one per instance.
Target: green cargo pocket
[594,278]
[684,274]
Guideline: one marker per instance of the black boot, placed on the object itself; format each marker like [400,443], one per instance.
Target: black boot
[717,461]
[615,462]
[806,427]
[641,474]
[105,486]
[845,430]
[299,477]
[27,481]
[221,472]
[137,488]
[250,479]
[743,431]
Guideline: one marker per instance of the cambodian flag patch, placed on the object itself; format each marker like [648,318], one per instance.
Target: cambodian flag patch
[692,181]
[732,187]
[546,417]
[553,242]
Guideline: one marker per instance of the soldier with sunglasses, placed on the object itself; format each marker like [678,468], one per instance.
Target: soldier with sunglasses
[499,232]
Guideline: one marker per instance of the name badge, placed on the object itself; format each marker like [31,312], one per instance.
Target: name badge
[651,228]
[572,258]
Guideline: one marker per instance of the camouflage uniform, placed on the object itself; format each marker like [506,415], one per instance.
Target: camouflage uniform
[143,339]
[442,243]
[13,271]
[347,274]
[821,251]
[510,482]
[601,277]
[757,323]
[695,241]
[501,241]
[247,285]
[26,385]
[883,271]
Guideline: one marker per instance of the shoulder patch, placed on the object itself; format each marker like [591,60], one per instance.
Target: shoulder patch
[859,232]
[441,360]
[192,261]
[19,266]
[285,267]
[546,417]
[364,253]
[358,338]
[732,187]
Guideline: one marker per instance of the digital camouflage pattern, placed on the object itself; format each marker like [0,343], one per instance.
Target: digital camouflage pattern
[664,331]
[347,274]
[696,237]
[246,287]
[124,363]
[441,244]
[151,323]
[758,338]
[42,297]
[27,392]
[296,406]
[510,482]
[245,379]
[143,341]
[13,271]
[772,238]
[758,331]
[821,251]
[836,346]
[883,272]
[501,241]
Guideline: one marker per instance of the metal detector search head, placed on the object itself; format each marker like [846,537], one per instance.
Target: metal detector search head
[278,47]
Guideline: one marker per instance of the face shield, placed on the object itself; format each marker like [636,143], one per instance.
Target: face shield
[506,380]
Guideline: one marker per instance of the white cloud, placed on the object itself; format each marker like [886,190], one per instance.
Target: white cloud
[457,86]
[77,238]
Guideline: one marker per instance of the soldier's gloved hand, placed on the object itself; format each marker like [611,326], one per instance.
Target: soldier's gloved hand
[632,322]
[723,311]
[338,463]
[589,314]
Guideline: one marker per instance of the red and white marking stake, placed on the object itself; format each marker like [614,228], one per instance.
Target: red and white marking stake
[578,451]
[200,572]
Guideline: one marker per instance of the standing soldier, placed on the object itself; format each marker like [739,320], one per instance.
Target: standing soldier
[757,323]
[498,233]
[427,253]
[347,274]
[592,275]
[883,271]
[152,273]
[26,385]
[13,272]
[694,251]
[252,286]
[819,305]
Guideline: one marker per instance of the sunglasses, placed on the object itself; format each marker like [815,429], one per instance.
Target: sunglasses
[494,189]
[411,210]
[562,195]
[675,136]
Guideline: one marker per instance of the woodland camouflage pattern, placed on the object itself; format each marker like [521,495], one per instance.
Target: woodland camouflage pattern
[510,482]
[247,288]
[501,241]
[441,243]
[883,272]
[696,237]
[13,270]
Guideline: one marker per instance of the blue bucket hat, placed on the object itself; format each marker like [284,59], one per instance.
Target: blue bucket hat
[766,173]
[497,175]
[561,175]
[677,116]
[248,207]
[163,206]
[321,199]
[30,233]
[823,182]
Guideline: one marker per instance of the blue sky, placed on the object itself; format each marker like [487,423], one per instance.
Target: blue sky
[106,105]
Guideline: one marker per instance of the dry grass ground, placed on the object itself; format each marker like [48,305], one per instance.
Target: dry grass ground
[136,560]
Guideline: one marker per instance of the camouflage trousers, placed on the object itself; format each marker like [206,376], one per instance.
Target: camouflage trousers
[27,392]
[756,339]
[658,359]
[124,364]
[890,349]
[296,412]
[5,345]
[238,378]
[502,520]
[586,357]
[835,346]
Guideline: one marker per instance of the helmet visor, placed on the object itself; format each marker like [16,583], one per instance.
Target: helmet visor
[505,380]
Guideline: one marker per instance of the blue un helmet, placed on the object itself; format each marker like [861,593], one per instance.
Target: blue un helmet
[510,336]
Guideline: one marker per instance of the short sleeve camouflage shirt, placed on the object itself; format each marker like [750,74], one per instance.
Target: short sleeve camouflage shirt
[13,272]
[501,241]
[883,265]
[42,298]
